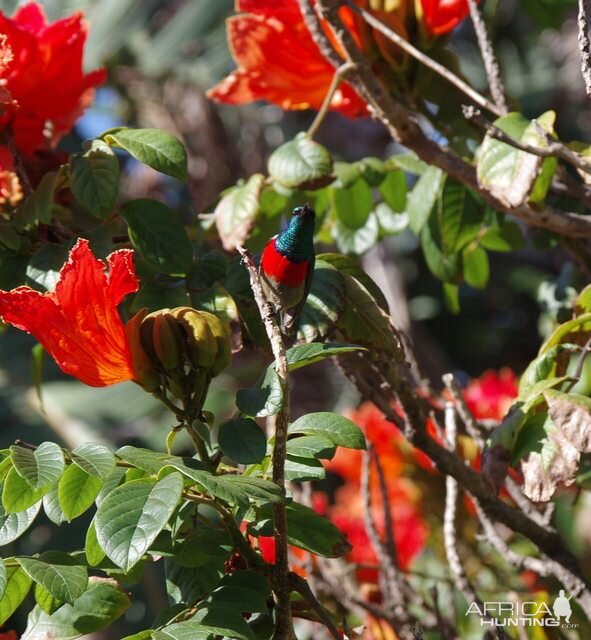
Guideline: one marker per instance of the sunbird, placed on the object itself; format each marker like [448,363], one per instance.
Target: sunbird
[287,265]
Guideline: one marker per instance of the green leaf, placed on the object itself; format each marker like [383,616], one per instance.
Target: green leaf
[423,196]
[451,294]
[301,163]
[77,491]
[350,266]
[310,531]
[17,586]
[506,237]
[353,204]
[303,469]
[390,222]
[314,446]
[226,622]
[324,304]
[393,190]
[356,241]
[476,267]
[158,235]
[442,265]
[201,545]
[338,429]
[94,178]
[512,175]
[94,554]
[244,591]
[97,608]
[242,440]
[59,573]
[132,515]
[264,399]
[153,147]
[13,525]
[3,578]
[40,467]
[302,355]
[17,493]
[52,507]
[373,170]
[47,603]
[96,459]
[238,211]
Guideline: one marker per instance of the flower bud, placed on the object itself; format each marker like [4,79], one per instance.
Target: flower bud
[201,344]
[162,339]
[221,332]
[145,373]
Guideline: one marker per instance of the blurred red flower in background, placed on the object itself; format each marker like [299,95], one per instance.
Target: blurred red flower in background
[9,635]
[441,16]
[78,323]
[44,87]
[491,395]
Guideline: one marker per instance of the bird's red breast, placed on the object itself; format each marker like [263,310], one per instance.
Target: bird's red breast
[282,269]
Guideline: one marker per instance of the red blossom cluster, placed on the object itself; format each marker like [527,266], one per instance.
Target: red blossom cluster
[279,61]
[43,89]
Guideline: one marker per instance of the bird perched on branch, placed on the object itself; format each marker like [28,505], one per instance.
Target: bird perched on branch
[287,265]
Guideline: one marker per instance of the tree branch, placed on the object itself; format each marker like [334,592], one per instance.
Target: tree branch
[584,44]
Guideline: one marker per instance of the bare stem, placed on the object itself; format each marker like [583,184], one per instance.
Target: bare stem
[584,43]
[283,626]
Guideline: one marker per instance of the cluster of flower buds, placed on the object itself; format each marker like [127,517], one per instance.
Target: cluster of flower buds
[181,349]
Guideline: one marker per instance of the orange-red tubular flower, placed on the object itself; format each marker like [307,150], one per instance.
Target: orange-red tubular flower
[78,323]
[278,60]
[41,72]
[441,16]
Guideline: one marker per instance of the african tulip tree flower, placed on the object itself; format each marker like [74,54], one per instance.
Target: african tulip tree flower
[441,16]
[278,60]
[44,87]
[78,323]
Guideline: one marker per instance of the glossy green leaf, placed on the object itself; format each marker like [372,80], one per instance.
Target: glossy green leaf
[47,603]
[301,163]
[310,531]
[303,469]
[314,446]
[302,355]
[59,573]
[96,609]
[16,588]
[201,545]
[475,266]
[3,578]
[393,190]
[17,493]
[132,515]
[422,197]
[445,266]
[352,204]
[96,459]
[324,304]
[94,178]
[40,467]
[244,591]
[158,235]
[153,147]
[13,525]
[77,491]
[237,212]
[356,241]
[52,507]
[390,223]
[242,440]
[264,399]
[94,554]
[338,429]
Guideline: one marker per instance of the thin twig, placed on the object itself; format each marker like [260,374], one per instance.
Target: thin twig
[425,60]
[283,626]
[491,65]
[298,584]
[583,19]
[553,149]
[340,74]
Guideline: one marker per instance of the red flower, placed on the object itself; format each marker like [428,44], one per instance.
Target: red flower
[441,16]
[41,72]
[8,635]
[491,395]
[78,323]
[278,60]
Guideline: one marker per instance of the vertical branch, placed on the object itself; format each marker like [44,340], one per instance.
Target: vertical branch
[489,59]
[283,627]
[584,43]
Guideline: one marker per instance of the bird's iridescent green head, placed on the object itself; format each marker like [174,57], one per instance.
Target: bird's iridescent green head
[297,241]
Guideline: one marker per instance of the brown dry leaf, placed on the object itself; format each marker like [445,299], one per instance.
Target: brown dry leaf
[558,461]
